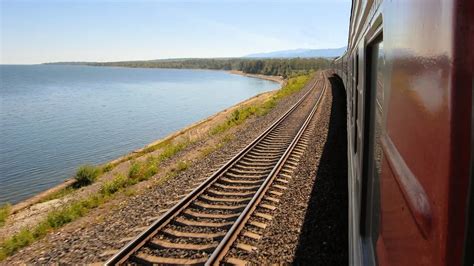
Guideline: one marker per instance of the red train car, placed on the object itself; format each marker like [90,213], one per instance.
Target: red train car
[408,74]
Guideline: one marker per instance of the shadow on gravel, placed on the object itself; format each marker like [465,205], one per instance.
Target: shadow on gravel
[324,236]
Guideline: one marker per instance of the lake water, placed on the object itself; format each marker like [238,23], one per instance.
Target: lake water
[54,118]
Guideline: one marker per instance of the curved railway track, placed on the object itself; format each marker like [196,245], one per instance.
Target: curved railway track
[205,224]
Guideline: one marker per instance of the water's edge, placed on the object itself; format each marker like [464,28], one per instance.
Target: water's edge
[71,180]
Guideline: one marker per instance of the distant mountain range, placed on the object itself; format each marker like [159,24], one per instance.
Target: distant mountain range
[335,52]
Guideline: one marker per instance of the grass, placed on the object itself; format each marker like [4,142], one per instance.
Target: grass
[138,171]
[4,212]
[14,243]
[172,149]
[242,114]
[236,118]
[55,219]
[86,175]
[169,149]
[143,170]
[167,144]
[111,187]
[107,168]
[58,218]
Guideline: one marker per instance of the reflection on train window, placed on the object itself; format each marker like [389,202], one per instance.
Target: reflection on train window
[374,155]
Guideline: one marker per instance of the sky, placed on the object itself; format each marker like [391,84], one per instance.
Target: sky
[39,31]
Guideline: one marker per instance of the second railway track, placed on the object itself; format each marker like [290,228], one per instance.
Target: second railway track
[202,227]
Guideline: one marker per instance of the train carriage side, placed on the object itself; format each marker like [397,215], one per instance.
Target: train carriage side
[408,78]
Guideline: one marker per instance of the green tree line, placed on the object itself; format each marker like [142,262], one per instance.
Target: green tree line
[277,67]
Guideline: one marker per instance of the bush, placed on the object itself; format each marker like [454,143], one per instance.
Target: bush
[136,170]
[86,175]
[61,217]
[107,168]
[119,182]
[142,170]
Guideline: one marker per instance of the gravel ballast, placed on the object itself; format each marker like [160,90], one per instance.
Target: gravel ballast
[310,224]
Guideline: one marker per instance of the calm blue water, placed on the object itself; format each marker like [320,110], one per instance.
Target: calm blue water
[54,118]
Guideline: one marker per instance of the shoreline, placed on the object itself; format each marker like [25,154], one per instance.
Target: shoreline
[278,79]
[38,197]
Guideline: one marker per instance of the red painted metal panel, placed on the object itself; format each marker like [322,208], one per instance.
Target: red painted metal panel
[428,123]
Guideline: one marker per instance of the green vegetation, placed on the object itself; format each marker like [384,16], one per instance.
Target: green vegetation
[236,118]
[86,175]
[210,149]
[240,115]
[14,243]
[138,171]
[55,219]
[276,67]
[181,166]
[58,218]
[107,168]
[169,150]
[143,170]
[172,149]
[4,212]
[119,182]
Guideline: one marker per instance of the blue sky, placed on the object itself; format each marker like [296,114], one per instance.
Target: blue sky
[38,31]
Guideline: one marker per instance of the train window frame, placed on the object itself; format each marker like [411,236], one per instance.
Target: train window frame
[369,214]
[355,97]
[468,257]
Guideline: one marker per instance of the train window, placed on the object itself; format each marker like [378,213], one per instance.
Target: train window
[372,148]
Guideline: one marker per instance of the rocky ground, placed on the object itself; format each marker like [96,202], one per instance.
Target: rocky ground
[92,239]
[310,224]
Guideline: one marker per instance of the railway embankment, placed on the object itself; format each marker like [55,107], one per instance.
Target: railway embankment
[77,224]
[309,224]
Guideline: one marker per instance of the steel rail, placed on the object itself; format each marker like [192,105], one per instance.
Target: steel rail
[125,252]
[231,235]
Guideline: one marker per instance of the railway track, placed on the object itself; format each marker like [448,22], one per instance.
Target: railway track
[205,224]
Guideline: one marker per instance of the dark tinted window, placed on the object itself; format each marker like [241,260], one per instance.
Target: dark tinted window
[373,154]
